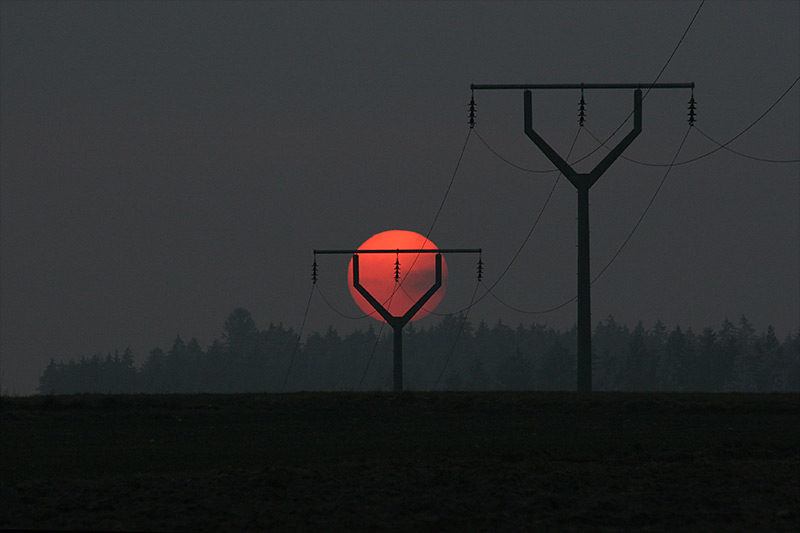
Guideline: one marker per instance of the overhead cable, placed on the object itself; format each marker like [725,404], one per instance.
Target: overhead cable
[720,146]
[438,211]
[674,50]
[299,338]
[529,312]
[518,167]
[458,336]
[340,313]
[663,68]
[528,236]
[646,209]
[449,185]
[371,356]
[602,143]
[616,254]
[725,146]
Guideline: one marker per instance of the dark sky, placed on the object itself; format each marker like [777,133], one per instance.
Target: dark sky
[165,162]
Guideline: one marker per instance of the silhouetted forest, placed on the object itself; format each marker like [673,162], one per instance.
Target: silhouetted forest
[452,355]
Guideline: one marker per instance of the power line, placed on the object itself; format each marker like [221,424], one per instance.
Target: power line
[663,68]
[438,212]
[616,254]
[518,167]
[449,185]
[526,312]
[458,336]
[648,89]
[720,145]
[646,209]
[603,143]
[338,312]
[371,355]
[432,312]
[725,146]
[398,322]
[524,169]
[533,227]
[299,338]
[674,50]
[375,346]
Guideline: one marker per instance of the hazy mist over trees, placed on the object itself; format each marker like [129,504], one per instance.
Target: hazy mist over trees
[451,355]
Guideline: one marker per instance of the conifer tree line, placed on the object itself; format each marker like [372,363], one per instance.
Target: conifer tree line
[451,355]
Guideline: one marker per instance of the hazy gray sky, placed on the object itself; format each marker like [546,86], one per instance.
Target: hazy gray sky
[165,162]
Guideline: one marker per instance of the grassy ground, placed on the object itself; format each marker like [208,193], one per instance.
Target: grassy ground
[430,461]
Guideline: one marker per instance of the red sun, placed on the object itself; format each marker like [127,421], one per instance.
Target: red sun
[417,274]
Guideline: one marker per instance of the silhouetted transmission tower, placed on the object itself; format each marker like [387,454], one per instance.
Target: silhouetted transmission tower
[582,183]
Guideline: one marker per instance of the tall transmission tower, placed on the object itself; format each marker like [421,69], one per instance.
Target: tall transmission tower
[582,183]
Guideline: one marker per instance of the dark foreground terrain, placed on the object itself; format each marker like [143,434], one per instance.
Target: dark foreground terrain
[411,461]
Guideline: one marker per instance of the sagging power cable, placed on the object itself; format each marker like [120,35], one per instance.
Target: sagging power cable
[720,146]
[616,254]
[299,338]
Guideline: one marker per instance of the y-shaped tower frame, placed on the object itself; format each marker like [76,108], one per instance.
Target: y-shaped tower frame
[398,322]
[582,183]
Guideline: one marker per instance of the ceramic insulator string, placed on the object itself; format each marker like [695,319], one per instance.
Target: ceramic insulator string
[472,111]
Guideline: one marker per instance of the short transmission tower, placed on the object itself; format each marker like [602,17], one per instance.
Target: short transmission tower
[582,183]
[398,322]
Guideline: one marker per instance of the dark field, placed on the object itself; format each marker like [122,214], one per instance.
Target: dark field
[421,461]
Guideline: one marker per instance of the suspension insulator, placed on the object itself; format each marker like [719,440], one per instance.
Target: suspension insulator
[314,272]
[397,269]
[692,107]
[472,112]
[582,110]
[480,269]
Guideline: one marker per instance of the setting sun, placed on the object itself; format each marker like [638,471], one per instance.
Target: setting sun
[416,273]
